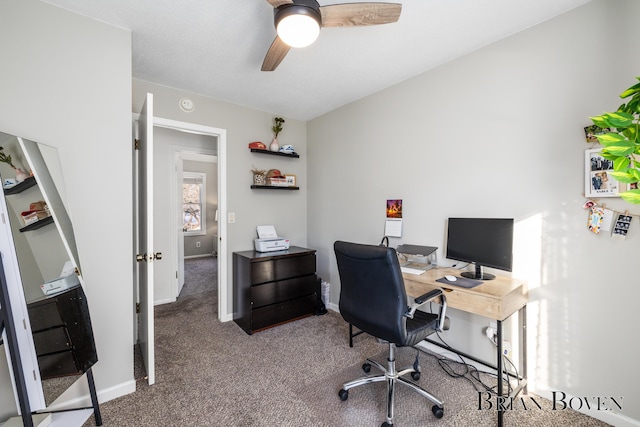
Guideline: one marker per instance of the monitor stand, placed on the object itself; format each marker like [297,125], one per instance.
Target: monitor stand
[478,274]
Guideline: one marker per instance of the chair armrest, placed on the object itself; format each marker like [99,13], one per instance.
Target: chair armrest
[430,296]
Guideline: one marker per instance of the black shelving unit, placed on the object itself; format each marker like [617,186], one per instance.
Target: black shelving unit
[272,187]
[27,183]
[275,153]
[38,224]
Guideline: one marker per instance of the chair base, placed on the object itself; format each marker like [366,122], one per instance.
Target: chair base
[392,377]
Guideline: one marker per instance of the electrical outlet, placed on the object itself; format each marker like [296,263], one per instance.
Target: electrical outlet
[506,348]
[197,244]
[232,217]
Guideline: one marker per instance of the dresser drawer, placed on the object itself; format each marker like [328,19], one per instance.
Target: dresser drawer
[274,292]
[282,268]
[51,341]
[282,312]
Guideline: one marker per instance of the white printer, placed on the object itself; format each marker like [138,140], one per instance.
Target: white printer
[268,240]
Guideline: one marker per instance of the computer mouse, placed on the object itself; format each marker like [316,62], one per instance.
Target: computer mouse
[451,278]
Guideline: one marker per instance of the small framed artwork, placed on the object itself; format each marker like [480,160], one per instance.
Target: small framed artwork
[598,179]
[621,228]
[591,132]
[291,180]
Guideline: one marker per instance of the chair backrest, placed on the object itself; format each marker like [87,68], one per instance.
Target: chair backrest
[372,293]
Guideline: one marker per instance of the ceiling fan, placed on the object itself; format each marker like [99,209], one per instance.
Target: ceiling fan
[298,22]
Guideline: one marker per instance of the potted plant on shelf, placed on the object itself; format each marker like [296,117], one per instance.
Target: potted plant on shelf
[6,158]
[621,144]
[276,128]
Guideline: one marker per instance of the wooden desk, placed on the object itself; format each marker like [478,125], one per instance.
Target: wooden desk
[496,299]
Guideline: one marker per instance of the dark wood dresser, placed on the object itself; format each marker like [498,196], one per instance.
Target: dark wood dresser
[62,333]
[270,288]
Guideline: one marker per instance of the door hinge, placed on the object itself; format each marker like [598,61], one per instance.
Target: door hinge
[3,218]
[137,308]
[136,144]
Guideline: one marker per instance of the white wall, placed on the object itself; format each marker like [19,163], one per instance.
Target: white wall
[286,210]
[499,132]
[66,82]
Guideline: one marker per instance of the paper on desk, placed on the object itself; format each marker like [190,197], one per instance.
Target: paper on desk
[267,232]
[67,269]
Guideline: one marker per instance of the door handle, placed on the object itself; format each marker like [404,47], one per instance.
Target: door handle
[150,258]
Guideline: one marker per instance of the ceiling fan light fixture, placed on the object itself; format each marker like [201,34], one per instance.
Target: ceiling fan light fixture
[297,25]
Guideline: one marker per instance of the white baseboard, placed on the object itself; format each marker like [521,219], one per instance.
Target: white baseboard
[78,394]
[164,301]
[198,256]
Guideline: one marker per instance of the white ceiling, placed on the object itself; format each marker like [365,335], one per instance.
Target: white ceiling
[216,47]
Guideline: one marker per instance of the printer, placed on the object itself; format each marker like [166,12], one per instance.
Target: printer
[268,240]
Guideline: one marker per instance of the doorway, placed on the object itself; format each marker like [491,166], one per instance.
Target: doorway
[195,207]
[145,126]
[177,143]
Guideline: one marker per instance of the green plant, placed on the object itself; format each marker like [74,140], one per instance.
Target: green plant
[5,158]
[622,143]
[277,127]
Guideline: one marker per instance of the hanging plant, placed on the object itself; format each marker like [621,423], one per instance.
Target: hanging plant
[622,143]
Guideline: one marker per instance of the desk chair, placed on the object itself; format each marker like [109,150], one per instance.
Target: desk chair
[373,299]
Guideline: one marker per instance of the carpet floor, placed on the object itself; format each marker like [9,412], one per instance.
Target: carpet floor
[210,373]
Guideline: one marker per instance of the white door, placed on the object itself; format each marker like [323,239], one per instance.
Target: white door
[146,255]
[180,224]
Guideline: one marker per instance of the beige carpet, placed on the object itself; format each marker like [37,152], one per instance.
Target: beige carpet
[213,374]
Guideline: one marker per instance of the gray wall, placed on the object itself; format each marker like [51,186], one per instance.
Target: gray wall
[66,82]
[211,227]
[499,132]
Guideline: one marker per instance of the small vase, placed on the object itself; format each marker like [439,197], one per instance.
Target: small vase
[21,175]
[274,145]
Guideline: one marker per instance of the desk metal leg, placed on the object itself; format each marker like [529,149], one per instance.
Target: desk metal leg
[500,376]
[523,341]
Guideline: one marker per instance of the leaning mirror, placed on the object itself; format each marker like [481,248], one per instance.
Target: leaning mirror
[49,268]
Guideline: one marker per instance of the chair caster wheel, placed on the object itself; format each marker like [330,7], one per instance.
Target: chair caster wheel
[415,376]
[437,411]
[343,394]
[366,367]
[386,424]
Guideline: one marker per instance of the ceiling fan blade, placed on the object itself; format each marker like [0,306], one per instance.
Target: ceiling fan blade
[359,14]
[275,55]
[276,3]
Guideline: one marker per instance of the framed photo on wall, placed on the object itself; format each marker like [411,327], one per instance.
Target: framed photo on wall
[598,179]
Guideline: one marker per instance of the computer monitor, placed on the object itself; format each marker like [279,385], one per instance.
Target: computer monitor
[486,242]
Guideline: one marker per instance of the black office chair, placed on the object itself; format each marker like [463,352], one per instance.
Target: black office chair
[373,299]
